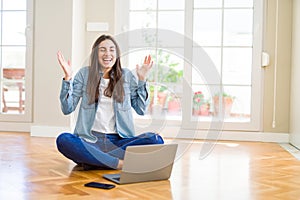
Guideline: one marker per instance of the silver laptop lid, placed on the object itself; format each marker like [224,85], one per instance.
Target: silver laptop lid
[148,162]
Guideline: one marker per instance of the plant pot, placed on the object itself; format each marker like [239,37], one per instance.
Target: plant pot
[173,106]
[203,110]
[196,111]
[226,106]
[161,100]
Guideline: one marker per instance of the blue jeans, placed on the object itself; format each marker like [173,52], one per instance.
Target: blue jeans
[106,152]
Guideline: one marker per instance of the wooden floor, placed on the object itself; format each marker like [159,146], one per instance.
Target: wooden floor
[32,168]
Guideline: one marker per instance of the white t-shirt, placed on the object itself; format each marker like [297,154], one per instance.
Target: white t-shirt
[105,121]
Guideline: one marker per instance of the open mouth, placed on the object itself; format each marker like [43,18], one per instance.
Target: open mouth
[107,60]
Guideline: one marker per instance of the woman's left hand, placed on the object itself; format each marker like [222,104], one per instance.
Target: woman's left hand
[144,69]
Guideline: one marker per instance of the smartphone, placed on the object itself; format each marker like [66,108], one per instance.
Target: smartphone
[99,185]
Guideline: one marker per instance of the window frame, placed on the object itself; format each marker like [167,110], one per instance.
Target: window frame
[187,123]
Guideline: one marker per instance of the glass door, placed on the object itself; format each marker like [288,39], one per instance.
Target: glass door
[15,59]
[207,60]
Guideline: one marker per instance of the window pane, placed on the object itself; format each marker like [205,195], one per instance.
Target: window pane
[166,77]
[14,4]
[141,21]
[138,20]
[13,84]
[237,66]
[142,38]
[165,80]
[215,56]
[136,56]
[13,90]
[142,4]
[165,37]
[168,66]
[14,24]
[206,66]
[207,3]
[238,3]
[173,20]
[207,27]
[13,57]
[174,4]
[238,109]
[238,27]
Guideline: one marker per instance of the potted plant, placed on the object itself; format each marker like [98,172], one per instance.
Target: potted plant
[173,104]
[204,109]
[161,96]
[166,73]
[227,101]
[198,101]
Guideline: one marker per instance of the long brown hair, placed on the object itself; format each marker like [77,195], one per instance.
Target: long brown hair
[115,87]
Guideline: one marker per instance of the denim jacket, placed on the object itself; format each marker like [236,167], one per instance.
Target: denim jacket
[136,96]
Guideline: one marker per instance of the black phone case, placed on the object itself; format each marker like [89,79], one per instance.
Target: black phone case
[99,185]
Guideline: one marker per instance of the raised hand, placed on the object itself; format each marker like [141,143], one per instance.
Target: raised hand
[143,70]
[65,65]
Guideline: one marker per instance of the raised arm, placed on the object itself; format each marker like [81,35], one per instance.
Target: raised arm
[143,70]
[71,90]
[65,65]
[139,89]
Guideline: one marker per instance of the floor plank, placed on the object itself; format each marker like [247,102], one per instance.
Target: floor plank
[32,168]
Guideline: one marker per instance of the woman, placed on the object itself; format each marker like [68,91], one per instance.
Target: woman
[104,126]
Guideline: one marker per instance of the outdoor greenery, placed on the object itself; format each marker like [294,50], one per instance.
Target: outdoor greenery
[165,70]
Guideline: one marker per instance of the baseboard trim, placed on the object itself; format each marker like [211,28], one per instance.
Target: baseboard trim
[174,132]
[15,126]
[227,135]
[47,131]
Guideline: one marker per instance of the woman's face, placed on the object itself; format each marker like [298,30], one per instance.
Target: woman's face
[107,54]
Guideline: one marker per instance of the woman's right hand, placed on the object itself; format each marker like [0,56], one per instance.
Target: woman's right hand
[65,65]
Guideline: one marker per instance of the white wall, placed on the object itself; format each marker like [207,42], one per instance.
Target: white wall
[55,29]
[282,104]
[295,81]
[99,11]
[78,34]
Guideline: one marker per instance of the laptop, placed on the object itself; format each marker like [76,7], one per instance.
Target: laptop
[145,163]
